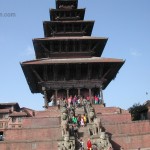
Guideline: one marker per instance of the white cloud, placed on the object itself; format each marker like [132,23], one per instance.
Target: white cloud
[135,53]
[29,51]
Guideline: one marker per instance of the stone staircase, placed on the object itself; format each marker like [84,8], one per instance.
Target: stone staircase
[43,130]
[124,132]
[38,132]
[79,111]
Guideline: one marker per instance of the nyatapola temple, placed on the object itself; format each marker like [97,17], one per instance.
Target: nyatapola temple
[71,74]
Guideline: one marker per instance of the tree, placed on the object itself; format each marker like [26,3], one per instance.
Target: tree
[137,110]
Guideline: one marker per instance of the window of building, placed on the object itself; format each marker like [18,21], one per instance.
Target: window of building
[19,126]
[19,119]
[1,136]
[1,116]
[6,116]
[1,124]
[6,125]
[13,119]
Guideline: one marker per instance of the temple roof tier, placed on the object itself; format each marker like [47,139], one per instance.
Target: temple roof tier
[66,4]
[68,28]
[9,105]
[72,60]
[18,114]
[48,47]
[67,14]
[70,70]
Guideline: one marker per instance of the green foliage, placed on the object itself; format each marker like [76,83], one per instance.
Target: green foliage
[136,110]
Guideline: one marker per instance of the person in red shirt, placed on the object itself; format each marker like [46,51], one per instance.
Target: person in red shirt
[88,98]
[89,145]
[96,99]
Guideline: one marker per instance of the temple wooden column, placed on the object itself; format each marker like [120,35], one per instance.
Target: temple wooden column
[67,93]
[78,91]
[90,95]
[101,95]
[56,95]
[45,98]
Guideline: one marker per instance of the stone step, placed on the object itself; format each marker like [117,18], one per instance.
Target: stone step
[79,111]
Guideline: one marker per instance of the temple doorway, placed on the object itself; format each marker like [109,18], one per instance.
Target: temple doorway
[73,92]
[95,91]
[62,93]
[84,92]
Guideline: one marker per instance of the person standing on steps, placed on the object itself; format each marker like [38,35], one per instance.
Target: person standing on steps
[76,131]
[89,144]
[81,145]
[82,121]
[79,101]
[72,131]
[74,120]
[85,119]
[69,101]
[74,100]
[58,103]
[79,120]
[96,99]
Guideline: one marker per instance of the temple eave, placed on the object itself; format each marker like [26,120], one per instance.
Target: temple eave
[73,60]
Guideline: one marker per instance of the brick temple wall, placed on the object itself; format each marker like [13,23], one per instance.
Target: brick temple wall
[41,122]
[39,132]
[115,118]
[136,127]
[42,131]
[29,145]
[50,133]
[132,141]
[124,132]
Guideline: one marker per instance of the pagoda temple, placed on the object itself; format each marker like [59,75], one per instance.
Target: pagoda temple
[68,59]
[69,63]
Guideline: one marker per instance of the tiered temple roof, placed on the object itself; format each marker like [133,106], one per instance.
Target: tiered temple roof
[68,57]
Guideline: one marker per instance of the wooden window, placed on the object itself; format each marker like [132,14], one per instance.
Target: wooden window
[6,116]
[1,116]
[1,124]
[19,126]
[13,119]
[19,119]
[6,125]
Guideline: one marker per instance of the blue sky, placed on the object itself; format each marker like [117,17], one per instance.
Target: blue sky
[125,22]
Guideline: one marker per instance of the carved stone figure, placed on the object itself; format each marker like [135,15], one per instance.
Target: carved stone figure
[71,114]
[88,104]
[68,144]
[64,110]
[64,116]
[93,130]
[61,146]
[65,127]
[103,142]
[84,101]
[98,127]
[91,114]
